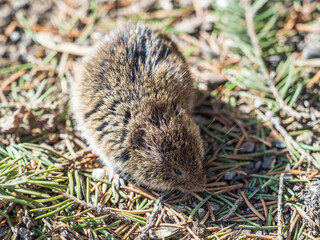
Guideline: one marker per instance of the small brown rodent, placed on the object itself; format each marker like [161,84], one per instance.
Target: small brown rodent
[132,100]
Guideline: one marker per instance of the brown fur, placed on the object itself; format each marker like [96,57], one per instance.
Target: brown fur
[132,100]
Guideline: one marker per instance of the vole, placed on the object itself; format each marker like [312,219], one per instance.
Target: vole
[132,100]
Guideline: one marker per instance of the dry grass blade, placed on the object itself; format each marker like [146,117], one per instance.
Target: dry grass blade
[252,207]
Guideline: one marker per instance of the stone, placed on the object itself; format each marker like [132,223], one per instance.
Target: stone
[229,175]
[247,147]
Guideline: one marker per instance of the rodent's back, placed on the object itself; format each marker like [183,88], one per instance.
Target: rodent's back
[136,78]
[138,62]
[133,68]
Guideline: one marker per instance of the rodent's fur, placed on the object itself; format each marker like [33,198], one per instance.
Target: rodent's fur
[132,100]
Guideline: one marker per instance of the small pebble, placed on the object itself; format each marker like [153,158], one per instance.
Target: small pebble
[202,86]
[214,206]
[305,137]
[287,176]
[257,165]
[15,36]
[246,231]
[229,175]
[268,161]
[201,213]
[99,173]
[245,108]
[247,147]
[258,102]
[278,144]
[275,60]
[296,188]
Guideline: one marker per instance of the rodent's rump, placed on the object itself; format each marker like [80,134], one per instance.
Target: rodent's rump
[132,100]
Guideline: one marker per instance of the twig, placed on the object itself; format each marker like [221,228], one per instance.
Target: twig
[275,121]
[257,49]
[255,211]
[293,223]
[171,225]
[303,214]
[233,209]
[211,212]
[150,222]
[265,209]
[280,236]
[160,217]
[130,232]
[309,62]
[46,40]
[192,233]
[136,190]
[71,162]
[256,236]
[100,209]
[309,236]
[12,78]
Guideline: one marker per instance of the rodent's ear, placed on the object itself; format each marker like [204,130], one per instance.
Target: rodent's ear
[138,138]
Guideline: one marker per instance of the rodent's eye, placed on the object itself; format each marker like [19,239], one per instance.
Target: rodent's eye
[176,171]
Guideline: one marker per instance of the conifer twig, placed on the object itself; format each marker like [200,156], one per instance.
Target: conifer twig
[257,49]
[151,222]
[100,209]
[233,209]
[280,236]
[275,121]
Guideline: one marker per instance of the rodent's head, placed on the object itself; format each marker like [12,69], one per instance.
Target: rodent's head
[167,152]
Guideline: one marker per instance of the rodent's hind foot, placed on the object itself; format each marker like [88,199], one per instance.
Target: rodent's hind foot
[114,177]
[117,181]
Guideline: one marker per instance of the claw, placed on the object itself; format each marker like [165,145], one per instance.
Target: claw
[117,181]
